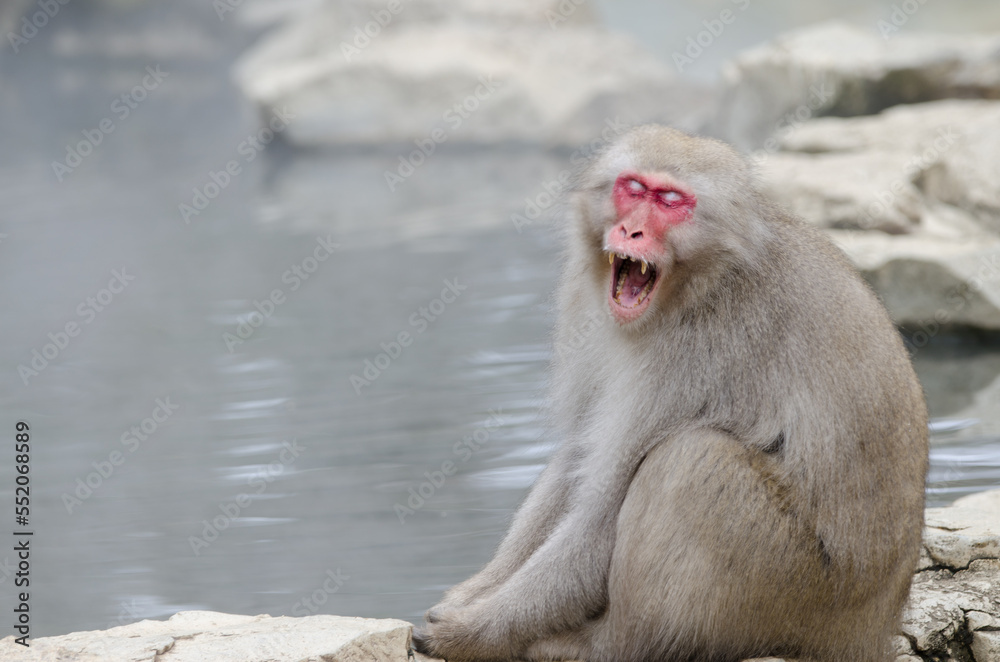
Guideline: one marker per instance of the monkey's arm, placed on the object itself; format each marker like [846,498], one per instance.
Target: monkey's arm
[561,583]
[545,504]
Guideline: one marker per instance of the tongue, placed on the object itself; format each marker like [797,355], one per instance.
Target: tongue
[635,281]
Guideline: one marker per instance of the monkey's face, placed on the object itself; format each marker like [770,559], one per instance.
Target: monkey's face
[656,207]
[648,207]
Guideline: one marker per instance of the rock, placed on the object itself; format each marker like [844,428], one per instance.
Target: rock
[837,69]
[935,617]
[889,171]
[464,70]
[950,611]
[977,620]
[965,531]
[928,281]
[204,636]
[967,177]
[846,190]
[921,173]
[891,168]
[909,128]
[901,646]
[986,646]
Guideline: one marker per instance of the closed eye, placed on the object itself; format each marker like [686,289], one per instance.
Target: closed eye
[671,198]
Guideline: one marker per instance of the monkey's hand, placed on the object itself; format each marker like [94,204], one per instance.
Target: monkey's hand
[464,634]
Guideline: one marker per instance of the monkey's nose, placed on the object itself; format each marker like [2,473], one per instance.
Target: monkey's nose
[626,234]
[633,238]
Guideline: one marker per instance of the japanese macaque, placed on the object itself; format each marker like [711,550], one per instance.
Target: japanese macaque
[744,442]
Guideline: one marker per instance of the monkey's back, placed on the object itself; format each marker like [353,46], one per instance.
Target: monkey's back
[854,410]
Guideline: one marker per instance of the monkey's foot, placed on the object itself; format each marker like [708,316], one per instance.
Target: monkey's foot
[457,634]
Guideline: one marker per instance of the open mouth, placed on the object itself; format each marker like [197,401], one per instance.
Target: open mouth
[632,282]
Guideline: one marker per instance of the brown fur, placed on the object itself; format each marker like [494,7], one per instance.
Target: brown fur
[743,467]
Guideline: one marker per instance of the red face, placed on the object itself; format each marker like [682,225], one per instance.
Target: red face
[647,206]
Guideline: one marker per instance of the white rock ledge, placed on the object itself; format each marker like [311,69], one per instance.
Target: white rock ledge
[206,636]
[953,615]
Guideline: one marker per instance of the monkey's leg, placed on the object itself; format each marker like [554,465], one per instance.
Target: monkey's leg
[561,584]
[717,558]
[534,521]
[568,645]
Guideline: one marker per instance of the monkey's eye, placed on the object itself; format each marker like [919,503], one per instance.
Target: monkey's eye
[671,198]
[636,186]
